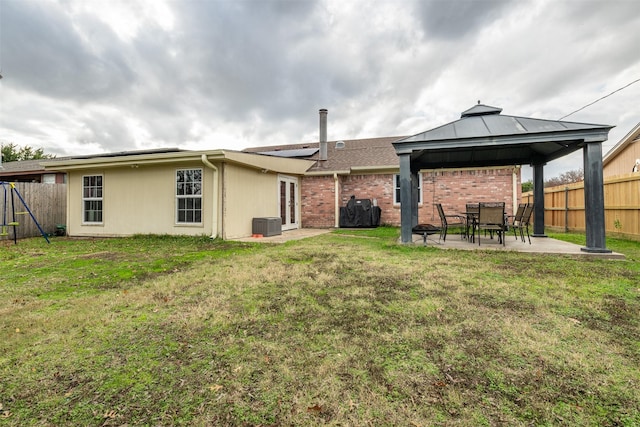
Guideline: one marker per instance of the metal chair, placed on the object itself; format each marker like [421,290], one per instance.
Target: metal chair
[491,217]
[524,223]
[516,222]
[450,220]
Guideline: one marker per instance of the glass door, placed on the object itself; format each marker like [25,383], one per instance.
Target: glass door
[288,197]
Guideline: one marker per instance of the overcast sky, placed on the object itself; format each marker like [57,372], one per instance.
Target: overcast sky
[92,76]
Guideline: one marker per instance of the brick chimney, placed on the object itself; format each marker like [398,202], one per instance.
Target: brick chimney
[323,134]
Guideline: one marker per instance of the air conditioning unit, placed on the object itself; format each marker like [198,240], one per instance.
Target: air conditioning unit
[269,226]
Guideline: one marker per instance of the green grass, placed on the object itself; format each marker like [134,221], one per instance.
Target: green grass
[347,328]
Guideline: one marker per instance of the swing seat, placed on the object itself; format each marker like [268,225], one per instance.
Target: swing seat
[13,223]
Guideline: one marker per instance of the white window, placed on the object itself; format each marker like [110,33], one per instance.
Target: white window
[396,189]
[189,196]
[49,178]
[92,199]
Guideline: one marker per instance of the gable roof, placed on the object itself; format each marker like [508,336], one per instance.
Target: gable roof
[631,137]
[343,156]
[27,167]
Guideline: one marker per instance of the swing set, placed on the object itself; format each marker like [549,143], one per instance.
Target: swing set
[10,191]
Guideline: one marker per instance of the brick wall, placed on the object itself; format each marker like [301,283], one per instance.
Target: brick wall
[456,188]
[451,188]
[317,202]
[378,187]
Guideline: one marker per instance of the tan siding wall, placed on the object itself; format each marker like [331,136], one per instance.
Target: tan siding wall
[138,201]
[623,162]
[248,194]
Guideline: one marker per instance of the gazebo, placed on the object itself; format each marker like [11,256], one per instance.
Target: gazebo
[484,137]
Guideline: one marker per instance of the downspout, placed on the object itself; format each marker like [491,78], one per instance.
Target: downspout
[214,212]
[336,200]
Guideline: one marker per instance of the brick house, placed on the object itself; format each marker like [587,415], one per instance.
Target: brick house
[369,169]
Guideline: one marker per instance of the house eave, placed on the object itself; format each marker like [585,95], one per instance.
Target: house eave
[284,165]
[630,138]
[130,160]
[327,173]
[376,169]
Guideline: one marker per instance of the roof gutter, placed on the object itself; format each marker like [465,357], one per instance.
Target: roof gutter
[336,202]
[327,173]
[214,196]
[131,160]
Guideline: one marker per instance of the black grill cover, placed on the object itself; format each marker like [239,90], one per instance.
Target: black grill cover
[359,213]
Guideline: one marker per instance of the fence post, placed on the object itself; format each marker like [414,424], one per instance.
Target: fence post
[566,209]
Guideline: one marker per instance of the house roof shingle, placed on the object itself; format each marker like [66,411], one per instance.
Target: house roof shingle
[360,154]
[26,167]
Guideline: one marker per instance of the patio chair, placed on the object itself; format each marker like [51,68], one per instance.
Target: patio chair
[491,218]
[449,221]
[524,223]
[516,222]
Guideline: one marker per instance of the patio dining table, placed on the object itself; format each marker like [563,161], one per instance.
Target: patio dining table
[472,219]
[472,214]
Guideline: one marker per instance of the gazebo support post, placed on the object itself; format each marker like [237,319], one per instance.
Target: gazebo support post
[538,200]
[594,198]
[407,201]
[415,198]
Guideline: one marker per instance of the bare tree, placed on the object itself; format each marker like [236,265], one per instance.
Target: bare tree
[568,177]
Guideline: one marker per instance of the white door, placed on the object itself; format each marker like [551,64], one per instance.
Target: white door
[288,196]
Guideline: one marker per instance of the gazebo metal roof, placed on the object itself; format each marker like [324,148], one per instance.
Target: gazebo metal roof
[484,137]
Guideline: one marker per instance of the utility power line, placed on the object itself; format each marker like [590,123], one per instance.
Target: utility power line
[600,99]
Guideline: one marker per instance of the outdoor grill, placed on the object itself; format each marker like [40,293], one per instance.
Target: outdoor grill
[359,213]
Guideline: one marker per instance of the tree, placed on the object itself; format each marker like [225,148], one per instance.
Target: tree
[568,177]
[527,186]
[12,152]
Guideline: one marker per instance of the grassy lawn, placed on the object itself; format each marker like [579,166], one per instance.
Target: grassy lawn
[333,330]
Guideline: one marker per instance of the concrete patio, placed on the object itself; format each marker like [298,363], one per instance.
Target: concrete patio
[298,234]
[539,245]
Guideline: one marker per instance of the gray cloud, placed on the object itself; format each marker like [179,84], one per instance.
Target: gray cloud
[231,74]
[453,20]
[42,53]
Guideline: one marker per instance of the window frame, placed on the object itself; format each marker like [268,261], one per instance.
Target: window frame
[97,198]
[396,189]
[195,210]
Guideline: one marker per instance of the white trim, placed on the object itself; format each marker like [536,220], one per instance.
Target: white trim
[397,176]
[95,199]
[295,222]
[188,196]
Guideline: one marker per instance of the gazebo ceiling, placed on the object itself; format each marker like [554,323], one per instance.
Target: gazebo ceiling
[484,137]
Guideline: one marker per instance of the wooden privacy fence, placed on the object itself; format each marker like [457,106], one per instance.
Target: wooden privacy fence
[47,202]
[564,206]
